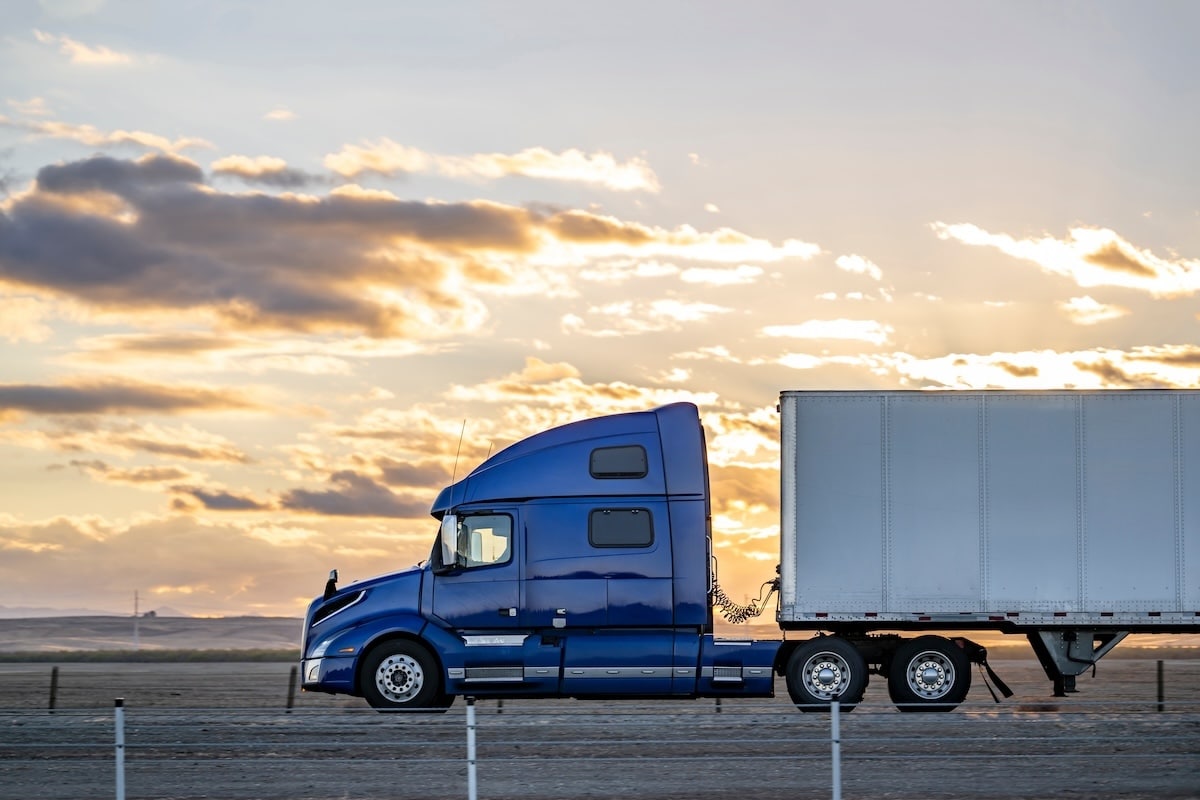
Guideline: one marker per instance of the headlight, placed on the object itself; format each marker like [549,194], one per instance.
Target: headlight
[320,649]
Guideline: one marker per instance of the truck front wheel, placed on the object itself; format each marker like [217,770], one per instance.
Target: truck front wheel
[825,669]
[400,674]
[929,673]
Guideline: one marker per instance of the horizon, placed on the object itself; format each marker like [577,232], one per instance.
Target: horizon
[271,275]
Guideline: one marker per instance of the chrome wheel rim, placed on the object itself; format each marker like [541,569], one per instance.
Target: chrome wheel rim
[399,678]
[930,675]
[826,676]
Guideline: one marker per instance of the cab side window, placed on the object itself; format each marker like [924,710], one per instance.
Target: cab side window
[485,539]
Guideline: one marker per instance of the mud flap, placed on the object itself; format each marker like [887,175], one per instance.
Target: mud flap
[977,654]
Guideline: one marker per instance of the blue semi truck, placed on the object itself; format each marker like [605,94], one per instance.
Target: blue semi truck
[579,561]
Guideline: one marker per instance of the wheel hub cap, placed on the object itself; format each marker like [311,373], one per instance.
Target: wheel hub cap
[930,676]
[399,678]
[826,675]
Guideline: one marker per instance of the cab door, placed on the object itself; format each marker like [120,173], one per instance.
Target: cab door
[484,591]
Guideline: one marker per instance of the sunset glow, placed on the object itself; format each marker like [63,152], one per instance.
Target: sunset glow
[253,291]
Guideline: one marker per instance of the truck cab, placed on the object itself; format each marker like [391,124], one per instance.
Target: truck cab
[574,563]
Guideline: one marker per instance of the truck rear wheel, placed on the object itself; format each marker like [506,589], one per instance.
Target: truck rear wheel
[825,669]
[929,673]
[400,674]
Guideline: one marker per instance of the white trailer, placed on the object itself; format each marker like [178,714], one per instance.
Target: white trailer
[1072,517]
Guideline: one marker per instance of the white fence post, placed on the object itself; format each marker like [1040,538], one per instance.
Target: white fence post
[835,723]
[119,721]
[472,787]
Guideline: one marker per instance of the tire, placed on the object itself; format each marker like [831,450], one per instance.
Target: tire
[825,669]
[929,673]
[402,675]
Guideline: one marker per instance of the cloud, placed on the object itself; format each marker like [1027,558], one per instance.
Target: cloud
[859,266]
[740,275]
[148,237]
[252,261]
[424,474]
[1090,257]
[23,319]
[112,396]
[94,137]
[1086,311]
[354,495]
[89,435]
[621,270]
[280,115]
[192,351]
[217,500]
[80,53]
[746,438]
[628,318]
[264,170]
[1150,366]
[153,477]
[1159,366]
[561,389]
[864,330]
[33,107]
[389,158]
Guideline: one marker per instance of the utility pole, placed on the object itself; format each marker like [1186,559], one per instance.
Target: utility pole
[135,619]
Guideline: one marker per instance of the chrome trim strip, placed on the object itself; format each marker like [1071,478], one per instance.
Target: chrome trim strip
[742,673]
[618,672]
[496,640]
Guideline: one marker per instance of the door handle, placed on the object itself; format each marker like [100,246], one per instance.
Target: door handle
[507,612]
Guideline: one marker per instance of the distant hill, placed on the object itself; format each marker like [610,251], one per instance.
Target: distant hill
[27,612]
[160,632]
[32,612]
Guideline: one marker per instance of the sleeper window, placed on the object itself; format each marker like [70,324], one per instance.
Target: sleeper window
[620,527]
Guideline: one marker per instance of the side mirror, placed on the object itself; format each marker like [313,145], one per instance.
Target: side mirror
[448,549]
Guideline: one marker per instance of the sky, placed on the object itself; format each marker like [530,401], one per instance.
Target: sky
[263,264]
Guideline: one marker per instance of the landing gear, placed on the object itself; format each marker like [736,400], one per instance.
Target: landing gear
[1066,653]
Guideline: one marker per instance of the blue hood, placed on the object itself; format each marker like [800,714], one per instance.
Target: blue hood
[368,599]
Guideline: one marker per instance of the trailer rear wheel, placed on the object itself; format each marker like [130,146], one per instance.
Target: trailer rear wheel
[929,673]
[825,669]
[400,674]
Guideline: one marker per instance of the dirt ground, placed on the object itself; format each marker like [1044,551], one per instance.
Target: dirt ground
[224,731]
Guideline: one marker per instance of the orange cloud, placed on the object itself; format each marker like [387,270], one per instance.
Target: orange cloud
[149,236]
[1089,257]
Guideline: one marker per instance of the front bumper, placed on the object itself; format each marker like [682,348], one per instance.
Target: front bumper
[328,674]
